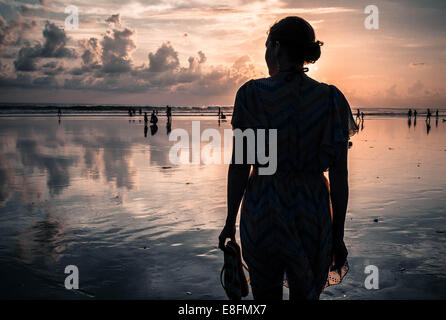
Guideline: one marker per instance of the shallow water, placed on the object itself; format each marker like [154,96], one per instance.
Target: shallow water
[95,193]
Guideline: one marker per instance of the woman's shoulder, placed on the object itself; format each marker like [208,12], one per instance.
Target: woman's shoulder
[308,84]
[263,83]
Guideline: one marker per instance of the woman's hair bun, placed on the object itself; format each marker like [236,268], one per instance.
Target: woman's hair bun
[312,52]
[297,37]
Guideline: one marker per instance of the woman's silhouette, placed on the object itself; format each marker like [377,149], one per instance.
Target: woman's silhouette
[286,226]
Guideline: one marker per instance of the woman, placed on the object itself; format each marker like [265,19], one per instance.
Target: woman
[286,226]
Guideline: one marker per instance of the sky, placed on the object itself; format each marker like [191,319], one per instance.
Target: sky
[199,52]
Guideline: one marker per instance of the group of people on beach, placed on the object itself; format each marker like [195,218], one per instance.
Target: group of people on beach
[132,111]
[153,118]
[360,114]
[154,121]
[153,115]
[428,113]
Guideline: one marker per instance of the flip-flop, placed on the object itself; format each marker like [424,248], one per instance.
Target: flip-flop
[232,276]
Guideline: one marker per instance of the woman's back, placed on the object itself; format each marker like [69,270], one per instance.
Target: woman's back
[306,113]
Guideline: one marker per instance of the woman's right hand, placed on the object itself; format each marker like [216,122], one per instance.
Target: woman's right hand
[339,253]
[227,232]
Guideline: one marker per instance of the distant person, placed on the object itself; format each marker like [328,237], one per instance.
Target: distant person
[415,113]
[153,129]
[358,113]
[168,127]
[436,114]
[153,118]
[409,113]
[168,112]
[140,111]
[428,114]
[59,112]
[362,115]
[285,223]
[145,118]
[221,114]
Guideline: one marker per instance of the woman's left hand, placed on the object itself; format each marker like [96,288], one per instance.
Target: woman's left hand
[227,232]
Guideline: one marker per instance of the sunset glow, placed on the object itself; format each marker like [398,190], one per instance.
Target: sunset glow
[197,53]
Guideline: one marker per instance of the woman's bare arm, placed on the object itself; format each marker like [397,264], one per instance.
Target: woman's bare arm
[237,180]
[338,175]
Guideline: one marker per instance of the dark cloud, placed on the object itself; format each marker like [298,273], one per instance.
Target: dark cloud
[45,82]
[165,59]
[53,68]
[20,80]
[114,19]
[91,57]
[117,47]
[55,43]
[54,46]
[26,60]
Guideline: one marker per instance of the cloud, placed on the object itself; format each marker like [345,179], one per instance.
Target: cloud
[114,19]
[28,11]
[418,65]
[54,46]
[106,64]
[55,43]
[117,47]
[165,59]
[12,32]
[26,60]
[53,68]
[91,57]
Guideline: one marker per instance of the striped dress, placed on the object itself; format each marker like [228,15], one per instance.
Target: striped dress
[285,223]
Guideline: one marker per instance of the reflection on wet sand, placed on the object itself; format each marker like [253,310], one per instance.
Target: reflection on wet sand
[100,193]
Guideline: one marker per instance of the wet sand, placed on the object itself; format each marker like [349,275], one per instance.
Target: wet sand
[96,193]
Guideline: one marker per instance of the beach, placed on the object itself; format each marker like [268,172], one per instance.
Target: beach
[95,192]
